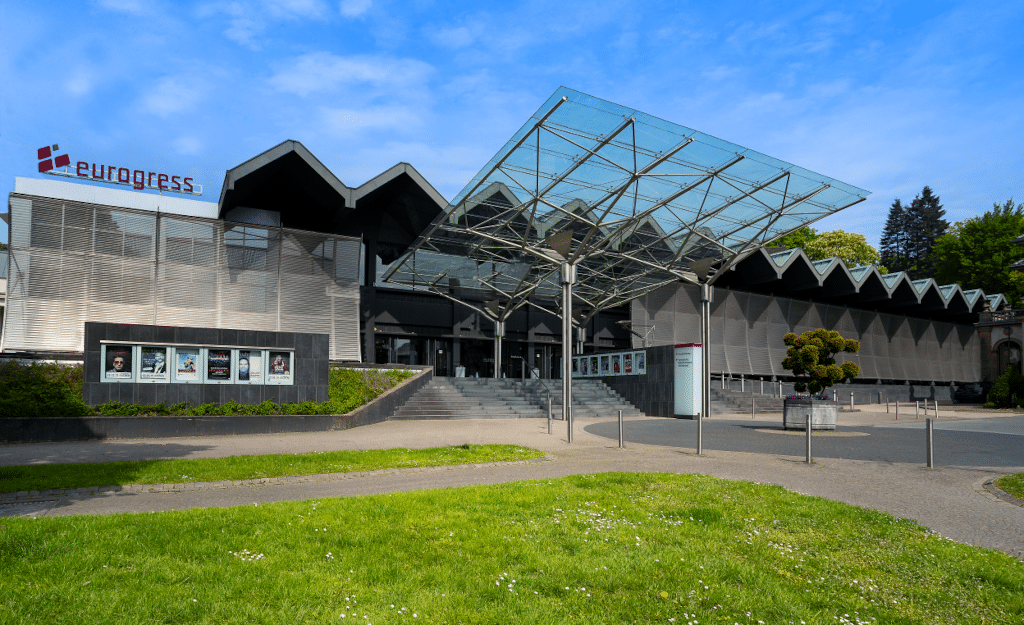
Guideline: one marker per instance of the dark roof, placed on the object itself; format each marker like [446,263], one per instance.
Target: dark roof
[393,208]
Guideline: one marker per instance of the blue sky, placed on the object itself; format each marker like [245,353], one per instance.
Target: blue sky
[887,96]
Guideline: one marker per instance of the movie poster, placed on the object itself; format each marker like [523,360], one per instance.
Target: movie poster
[218,364]
[250,366]
[616,364]
[584,366]
[594,370]
[280,367]
[575,367]
[627,364]
[605,366]
[154,363]
[186,361]
[119,362]
[640,360]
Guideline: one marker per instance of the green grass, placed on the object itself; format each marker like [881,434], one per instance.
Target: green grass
[180,471]
[1012,484]
[611,548]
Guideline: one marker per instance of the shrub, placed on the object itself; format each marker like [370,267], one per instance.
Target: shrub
[812,355]
[1008,391]
[41,390]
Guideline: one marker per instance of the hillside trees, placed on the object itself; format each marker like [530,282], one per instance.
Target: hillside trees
[976,253]
[910,234]
[852,248]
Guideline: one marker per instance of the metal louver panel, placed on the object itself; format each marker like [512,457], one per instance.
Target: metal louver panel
[747,331]
[73,262]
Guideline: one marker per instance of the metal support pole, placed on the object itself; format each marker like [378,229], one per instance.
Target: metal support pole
[499,331]
[931,458]
[568,278]
[549,413]
[707,293]
[751,407]
[700,434]
[621,446]
[808,438]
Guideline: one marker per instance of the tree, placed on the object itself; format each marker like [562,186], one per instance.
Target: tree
[852,248]
[924,226]
[795,239]
[977,253]
[894,238]
[3,247]
[812,354]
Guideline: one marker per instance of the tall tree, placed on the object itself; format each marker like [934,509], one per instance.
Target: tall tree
[797,238]
[925,224]
[893,246]
[976,253]
[852,248]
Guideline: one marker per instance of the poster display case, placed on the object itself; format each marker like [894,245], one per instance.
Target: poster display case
[194,364]
[615,364]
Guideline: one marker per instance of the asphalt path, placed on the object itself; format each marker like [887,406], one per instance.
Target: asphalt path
[990,443]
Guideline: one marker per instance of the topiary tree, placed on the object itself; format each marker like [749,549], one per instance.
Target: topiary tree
[812,354]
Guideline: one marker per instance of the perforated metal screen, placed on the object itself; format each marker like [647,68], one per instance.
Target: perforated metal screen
[73,262]
[747,331]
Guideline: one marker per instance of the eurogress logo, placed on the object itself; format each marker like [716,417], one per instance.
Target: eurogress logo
[139,179]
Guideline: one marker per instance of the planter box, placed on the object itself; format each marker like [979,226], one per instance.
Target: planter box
[822,413]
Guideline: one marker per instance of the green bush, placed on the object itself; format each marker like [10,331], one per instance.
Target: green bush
[50,390]
[41,390]
[811,355]
[1008,391]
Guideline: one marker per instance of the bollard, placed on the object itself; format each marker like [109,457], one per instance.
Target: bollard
[897,410]
[936,404]
[742,385]
[886,405]
[879,397]
[620,431]
[808,438]
[762,386]
[851,400]
[549,413]
[780,389]
[700,434]
[751,407]
[917,410]
[931,458]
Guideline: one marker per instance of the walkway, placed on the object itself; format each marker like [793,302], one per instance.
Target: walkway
[949,499]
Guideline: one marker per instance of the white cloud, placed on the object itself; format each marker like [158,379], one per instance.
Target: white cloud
[135,7]
[323,71]
[81,82]
[354,8]
[174,94]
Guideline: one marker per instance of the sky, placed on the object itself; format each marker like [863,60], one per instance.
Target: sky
[886,96]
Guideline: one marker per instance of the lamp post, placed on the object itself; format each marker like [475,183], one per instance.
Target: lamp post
[568,279]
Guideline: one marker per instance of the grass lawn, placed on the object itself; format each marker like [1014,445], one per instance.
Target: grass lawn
[176,471]
[1012,484]
[611,548]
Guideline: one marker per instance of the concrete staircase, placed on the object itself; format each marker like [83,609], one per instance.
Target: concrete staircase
[725,401]
[489,398]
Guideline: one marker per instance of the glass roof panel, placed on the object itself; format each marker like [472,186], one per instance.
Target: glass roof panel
[644,198]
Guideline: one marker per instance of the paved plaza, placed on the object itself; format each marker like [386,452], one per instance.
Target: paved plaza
[871,460]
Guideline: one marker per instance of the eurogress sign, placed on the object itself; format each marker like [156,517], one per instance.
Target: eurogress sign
[55,164]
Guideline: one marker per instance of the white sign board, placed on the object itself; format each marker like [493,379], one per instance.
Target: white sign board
[687,374]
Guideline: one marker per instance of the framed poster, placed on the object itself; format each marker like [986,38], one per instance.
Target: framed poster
[594,369]
[118,363]
[186,364]
[279,367]
[218,365]
[640,361]
[627,363]
[616,364]
[605,365]
[153,364]
[584,366]
[249,366]
[575,367]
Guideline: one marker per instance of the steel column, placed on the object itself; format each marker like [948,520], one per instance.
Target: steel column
[499,332]
[706,294]
[568,278]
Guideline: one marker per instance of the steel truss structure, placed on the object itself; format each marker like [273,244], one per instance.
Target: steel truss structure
[642,202]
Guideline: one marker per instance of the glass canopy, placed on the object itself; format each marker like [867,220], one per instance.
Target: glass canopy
[633,201]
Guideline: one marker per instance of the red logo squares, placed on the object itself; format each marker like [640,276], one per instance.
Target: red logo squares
[45,162]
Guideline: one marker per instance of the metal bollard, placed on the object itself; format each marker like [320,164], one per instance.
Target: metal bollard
[931,458]
[762,386]
[808,438]
[742,385]
[751,407]
[620,431]
[897,410]
[851,400]
[700,434]
[886,405]
[936,404]
[917,410]
[879,396]
[549,413]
